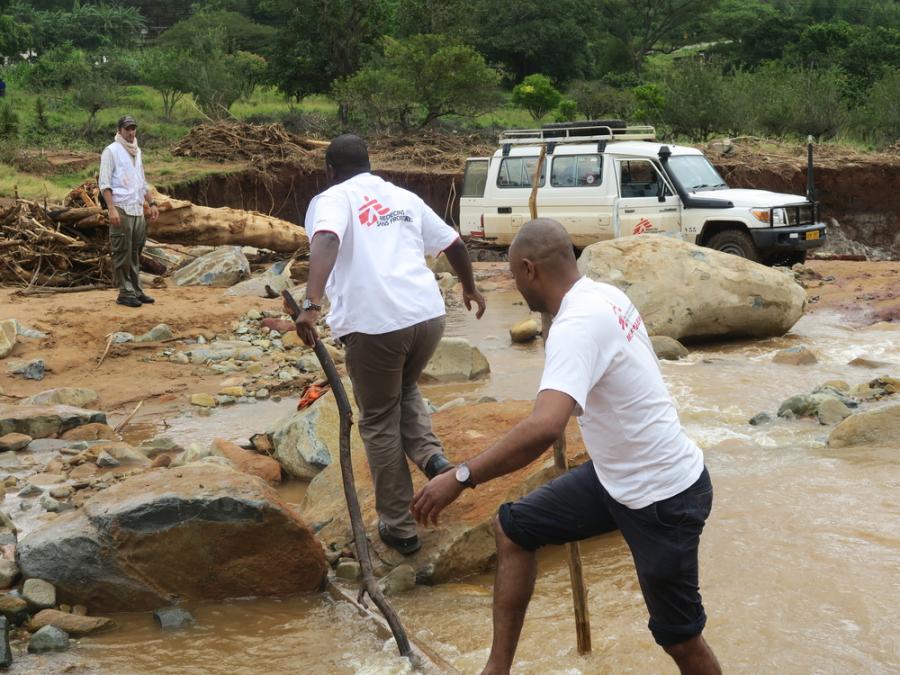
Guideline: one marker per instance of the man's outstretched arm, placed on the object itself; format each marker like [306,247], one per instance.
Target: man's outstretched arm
[524,443]
[322,256]
[458,257]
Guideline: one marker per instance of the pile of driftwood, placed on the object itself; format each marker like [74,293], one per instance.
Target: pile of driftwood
[53,246]
[260,144]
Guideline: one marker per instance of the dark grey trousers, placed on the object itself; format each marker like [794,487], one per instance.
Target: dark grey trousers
[393,421]
[126,243]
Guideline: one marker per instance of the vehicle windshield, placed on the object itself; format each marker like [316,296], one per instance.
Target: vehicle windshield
[695,173]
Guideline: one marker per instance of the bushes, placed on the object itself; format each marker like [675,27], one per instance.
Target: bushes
[537,95]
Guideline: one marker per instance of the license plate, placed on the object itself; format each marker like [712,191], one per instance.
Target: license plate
[812,235]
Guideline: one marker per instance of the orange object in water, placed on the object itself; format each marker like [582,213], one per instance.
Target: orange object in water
[312,393]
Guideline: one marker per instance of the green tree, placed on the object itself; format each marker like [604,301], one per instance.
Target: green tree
[596,99]
[59,68]
[167,71]
[85,26]
[239,33]
[694,99]
[321,41]
[425,77]
[537,95]
[643,26]
[530,36]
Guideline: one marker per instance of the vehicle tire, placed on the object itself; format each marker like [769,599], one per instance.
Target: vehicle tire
[736,242]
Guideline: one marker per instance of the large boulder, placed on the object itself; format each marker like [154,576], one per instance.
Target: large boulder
[686,291]
[9,332]
[201,532]
[463,541]
[308,441]
[225,266]
[45,421]
[456,360]
[880,427]
[78,397]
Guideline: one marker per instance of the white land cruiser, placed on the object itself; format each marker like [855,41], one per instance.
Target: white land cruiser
[609,180]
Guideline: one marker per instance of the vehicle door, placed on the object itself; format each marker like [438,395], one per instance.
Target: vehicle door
[647,203]
[471,200]
[578,199]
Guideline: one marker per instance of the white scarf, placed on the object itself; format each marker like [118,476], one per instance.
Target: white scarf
[132,148]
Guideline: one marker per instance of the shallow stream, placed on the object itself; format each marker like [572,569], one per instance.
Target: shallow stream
[799,559]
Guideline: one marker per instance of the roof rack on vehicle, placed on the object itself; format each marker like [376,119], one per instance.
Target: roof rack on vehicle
[577,133]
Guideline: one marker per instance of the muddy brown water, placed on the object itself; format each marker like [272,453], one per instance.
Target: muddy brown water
[799,558]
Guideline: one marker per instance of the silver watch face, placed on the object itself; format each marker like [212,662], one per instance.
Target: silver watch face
[462,473]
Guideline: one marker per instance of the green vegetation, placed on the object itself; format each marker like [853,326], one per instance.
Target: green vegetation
[692,68]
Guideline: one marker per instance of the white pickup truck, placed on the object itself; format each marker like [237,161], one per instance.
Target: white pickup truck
[604,179]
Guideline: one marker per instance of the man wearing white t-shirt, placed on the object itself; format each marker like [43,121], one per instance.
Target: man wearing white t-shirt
[646,477]
[369,240]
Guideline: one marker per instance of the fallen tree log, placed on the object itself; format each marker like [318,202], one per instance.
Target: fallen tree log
[181,222]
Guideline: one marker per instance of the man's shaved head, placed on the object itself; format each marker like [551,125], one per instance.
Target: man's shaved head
[542,261]
[545,242]
[347,155]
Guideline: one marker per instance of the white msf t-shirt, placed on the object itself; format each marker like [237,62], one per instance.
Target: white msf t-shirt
[599,353]
[380,282]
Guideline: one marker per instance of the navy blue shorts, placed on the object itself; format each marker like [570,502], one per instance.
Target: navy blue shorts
[664,539]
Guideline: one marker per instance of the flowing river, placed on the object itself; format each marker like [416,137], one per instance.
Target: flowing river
[799,560]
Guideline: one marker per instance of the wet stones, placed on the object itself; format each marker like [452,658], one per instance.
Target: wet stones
[48,639]
[524,331]
[761,418]
[9,571]
[73,624]
[456,360]
[399,580]
[39,594]
[203,400]
[13,608]
[45,421]
[173,618]
[878,427]
[91,432]
[348,569]
[158,333]
[6,657]
[14,442]
[831,411]
[795,356]
[668,349]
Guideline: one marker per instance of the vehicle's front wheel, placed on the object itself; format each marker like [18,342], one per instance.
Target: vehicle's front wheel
[736,242]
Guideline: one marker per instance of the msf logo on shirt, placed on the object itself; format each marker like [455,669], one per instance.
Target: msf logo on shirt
[371,211]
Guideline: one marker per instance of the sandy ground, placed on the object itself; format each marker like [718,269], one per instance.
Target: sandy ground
[78,325]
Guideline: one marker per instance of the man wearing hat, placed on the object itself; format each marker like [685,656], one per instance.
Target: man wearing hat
[126,193]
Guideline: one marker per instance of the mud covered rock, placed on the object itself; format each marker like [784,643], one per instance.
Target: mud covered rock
[695,292]
[14,442]
[45,421]
[795,356]
[249,461]
[78,397]
[878,427]
[456,360]
[74,625]
[173,618]
[668,349]
[225,266]
[91,432]
[463,541]
[202,532]
[308,441]
[9,331]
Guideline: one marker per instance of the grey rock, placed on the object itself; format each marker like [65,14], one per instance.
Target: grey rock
[121,337]
[45,421]
[309,364]
[155,446]
[254,315]
[194,453]
[487,399]
[802,405]
[48,639]
[761,418]
[78,397]
[157,333]
[223,399]
[39,594]
[104,459]
[455,403]
[838,394]
[348,569]
[61,492]
[51,505]
[8,572]
[29,332]
[6,657]
[668,349]
[225,266]
[30,370]
[180,357]
[262,393]
[50,445]
[795,356]
[399,580]
[30,490]
[173,618]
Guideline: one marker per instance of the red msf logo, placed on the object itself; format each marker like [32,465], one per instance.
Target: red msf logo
[642,226]
[371,211]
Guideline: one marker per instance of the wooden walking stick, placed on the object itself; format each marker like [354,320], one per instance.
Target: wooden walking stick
[573,549]
[369,584]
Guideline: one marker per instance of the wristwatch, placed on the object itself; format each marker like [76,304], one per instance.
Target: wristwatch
[464,476]
[310,305]
[152,204]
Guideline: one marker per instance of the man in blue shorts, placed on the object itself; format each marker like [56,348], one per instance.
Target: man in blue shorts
[646,478]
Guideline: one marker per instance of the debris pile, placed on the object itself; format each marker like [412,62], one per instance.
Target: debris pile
[263,145]
[58,247]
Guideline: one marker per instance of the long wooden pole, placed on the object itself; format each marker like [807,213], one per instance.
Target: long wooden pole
[573,549]
[369,584]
